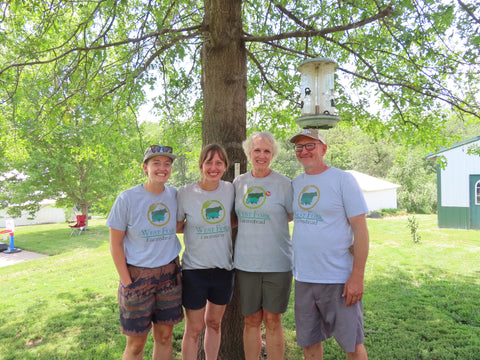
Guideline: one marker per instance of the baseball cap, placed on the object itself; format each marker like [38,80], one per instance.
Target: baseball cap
[156,150]
[311,133]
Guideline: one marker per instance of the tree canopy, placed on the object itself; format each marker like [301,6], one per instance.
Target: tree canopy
[415,59]
[404,67]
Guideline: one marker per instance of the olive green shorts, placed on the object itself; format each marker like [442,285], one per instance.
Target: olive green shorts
[264,290]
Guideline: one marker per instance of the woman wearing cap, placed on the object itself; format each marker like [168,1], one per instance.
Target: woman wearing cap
[263,250]
[145,249]
[204,210]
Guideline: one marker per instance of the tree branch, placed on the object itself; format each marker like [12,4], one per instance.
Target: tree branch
[109,45]
[467,9]
[294,18]
[321,33]
[264,75]
[454,102]
[149,61]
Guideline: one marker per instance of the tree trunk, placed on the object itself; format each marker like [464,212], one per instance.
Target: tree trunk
[84,211]
[224,83]
[224,80]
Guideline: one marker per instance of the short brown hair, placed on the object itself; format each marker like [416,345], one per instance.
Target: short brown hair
[209,151]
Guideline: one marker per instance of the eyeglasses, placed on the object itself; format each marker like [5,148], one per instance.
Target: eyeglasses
[308,147]
[160,149]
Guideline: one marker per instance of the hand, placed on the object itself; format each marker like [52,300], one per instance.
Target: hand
[126,284]
[353,291]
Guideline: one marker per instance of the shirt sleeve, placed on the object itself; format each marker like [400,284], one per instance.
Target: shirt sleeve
[118,217]
[353,199]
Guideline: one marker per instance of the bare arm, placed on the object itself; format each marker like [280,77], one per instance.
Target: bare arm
[181,226]
[233,220]
[355,283]
[118,255]
[290,217]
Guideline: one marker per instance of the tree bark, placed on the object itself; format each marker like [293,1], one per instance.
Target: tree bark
[84,211]
[224,83]
[224,80]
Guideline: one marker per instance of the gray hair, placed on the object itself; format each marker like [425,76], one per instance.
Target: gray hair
[265,135]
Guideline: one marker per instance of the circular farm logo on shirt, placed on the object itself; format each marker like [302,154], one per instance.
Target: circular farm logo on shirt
[254,197]
[213,211]
[158,214]
[308,197]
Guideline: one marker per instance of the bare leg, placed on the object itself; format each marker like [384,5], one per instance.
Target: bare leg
[134,348]
[213,330]
[359,354]
[314,352]
[274,335]
[162,342]
[194,320]
[252,336]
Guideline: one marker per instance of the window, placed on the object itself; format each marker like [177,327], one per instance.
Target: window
[477,193]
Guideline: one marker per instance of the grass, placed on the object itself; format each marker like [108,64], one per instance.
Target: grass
[421,300]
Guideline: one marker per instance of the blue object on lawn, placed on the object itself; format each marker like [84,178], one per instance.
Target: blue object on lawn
[12,248]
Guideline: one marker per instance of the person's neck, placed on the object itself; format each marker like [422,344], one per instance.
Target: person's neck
[261,173]
[317,169]
[208,185]
[154,188]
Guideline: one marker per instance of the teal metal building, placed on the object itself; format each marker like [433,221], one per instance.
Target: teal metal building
[458,185]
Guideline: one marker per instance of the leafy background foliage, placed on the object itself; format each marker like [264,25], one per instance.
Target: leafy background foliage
[74,75]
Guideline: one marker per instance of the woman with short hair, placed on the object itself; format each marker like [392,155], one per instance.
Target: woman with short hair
[263,250]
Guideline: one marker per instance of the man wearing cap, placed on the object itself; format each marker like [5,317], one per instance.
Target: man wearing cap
[330,244]
[145,248]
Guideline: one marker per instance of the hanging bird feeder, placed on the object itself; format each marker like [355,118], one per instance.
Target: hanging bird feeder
[317,86]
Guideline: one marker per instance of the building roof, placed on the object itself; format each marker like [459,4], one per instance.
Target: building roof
[369,183]
[461,143]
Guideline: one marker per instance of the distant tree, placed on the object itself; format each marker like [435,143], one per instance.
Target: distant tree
[461,129]
[184,138]
[286,162]
[417,175]
[350,148]
[87,159]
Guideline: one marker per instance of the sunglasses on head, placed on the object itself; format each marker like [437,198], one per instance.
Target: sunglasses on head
[161,149]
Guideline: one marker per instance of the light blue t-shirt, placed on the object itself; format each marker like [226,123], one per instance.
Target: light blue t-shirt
[322,234]
[262,206]
[149,222]
[208,232]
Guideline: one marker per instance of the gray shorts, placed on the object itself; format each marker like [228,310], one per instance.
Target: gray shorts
[269,291]
[320,313]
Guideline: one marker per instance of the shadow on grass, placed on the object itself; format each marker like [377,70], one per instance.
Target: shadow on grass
[425,315]
[409,315]
[87,326]
[55,239]
[430,315]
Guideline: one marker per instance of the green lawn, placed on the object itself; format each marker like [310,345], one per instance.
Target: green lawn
[422,301]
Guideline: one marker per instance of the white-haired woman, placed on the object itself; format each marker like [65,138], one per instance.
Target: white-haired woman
[263,251]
